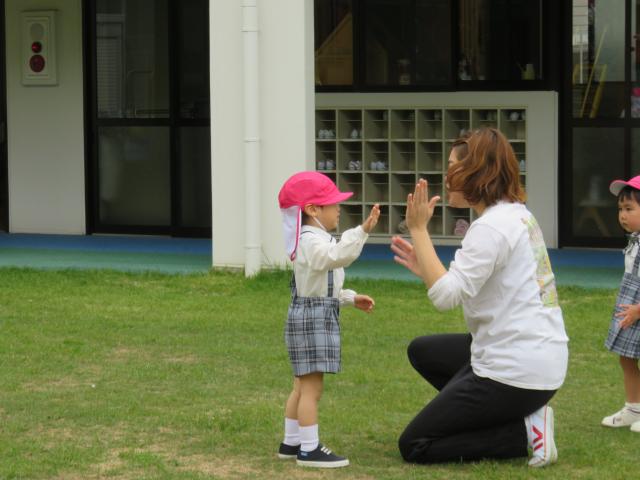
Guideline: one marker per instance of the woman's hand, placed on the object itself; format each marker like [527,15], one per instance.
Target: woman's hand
[630,314]
[419,207]
[372,220]
[364,303]
[405,255]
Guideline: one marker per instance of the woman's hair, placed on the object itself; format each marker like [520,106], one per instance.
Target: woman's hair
[629,193]
[487,170]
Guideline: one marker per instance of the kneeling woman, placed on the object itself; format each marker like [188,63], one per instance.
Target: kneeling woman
[495,382]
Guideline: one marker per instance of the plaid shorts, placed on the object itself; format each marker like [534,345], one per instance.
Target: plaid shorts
[626,342]
[312,334]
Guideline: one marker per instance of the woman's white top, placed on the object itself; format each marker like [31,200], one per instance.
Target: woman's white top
[318,252]
[502,277]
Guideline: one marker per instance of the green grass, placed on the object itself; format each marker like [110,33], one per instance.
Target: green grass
[140,376]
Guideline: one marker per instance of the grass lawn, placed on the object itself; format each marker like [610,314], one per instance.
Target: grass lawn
[136,376]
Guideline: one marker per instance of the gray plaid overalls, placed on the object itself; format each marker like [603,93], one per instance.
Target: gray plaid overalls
[312,332]
[626,342]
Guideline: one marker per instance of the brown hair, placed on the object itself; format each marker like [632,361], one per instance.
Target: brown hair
[487,170]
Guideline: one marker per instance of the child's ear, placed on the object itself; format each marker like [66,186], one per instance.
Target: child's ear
[309,210]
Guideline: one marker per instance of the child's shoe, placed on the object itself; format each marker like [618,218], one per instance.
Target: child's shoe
[288,451]
[623,418]
[540,435]
[321,457]
[635,426]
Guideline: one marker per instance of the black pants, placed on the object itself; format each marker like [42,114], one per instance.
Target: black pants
[471,417]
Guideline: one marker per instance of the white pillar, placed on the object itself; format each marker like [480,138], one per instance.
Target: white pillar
[253,238]
[279,90]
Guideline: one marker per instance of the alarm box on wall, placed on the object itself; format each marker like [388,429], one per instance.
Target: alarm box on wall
[38,53]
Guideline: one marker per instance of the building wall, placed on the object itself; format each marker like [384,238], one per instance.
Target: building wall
[286,105]
[45,129]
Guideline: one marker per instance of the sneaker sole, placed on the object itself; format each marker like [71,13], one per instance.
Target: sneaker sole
[338,464]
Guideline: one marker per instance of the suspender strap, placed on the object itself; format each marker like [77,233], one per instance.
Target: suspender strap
[636,263]
[294,290]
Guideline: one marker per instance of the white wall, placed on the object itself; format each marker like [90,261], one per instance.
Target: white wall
[286,119]
[45,130]
[541,136]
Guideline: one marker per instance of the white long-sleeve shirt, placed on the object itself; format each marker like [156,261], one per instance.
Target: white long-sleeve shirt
[318,252]
[503,279]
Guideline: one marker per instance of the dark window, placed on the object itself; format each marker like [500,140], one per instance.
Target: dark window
[407,42]
[365,45]
[334,42]
[500,40]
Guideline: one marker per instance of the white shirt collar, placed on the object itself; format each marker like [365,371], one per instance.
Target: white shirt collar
[316,231]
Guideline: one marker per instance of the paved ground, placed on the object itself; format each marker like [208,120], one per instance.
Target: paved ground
[580,267]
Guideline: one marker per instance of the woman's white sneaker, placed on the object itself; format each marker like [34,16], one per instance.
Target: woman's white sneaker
[540,433]
[622,418]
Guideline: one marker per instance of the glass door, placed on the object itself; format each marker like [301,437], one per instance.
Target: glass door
[149,168]
[602,114]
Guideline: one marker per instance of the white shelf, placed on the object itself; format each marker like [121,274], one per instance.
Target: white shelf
[410,143]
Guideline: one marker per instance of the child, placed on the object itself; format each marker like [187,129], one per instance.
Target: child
[309,203]
[624,332]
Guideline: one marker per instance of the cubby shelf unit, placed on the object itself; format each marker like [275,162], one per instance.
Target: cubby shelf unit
[380,153]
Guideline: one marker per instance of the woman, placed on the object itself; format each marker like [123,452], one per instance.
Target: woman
[495,382]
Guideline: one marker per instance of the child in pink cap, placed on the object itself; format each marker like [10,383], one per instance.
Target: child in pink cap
[624,331]
[310,206]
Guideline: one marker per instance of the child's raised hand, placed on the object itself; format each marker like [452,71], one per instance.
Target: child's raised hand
[364,303]
[629,314]
[372,220]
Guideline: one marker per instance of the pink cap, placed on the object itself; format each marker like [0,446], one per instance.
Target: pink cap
[301,189]
[617,185]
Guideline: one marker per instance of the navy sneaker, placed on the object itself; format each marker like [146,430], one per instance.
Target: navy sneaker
[288,451]
[321,457]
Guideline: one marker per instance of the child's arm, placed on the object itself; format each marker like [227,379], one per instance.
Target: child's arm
[361,302]
[364,303]
[630,314]
[325,256]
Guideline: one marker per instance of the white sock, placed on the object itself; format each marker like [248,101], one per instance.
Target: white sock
[309,438]
[291,432]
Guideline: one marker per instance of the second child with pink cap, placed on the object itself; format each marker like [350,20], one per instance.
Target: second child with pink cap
[309,202]
[624,331]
